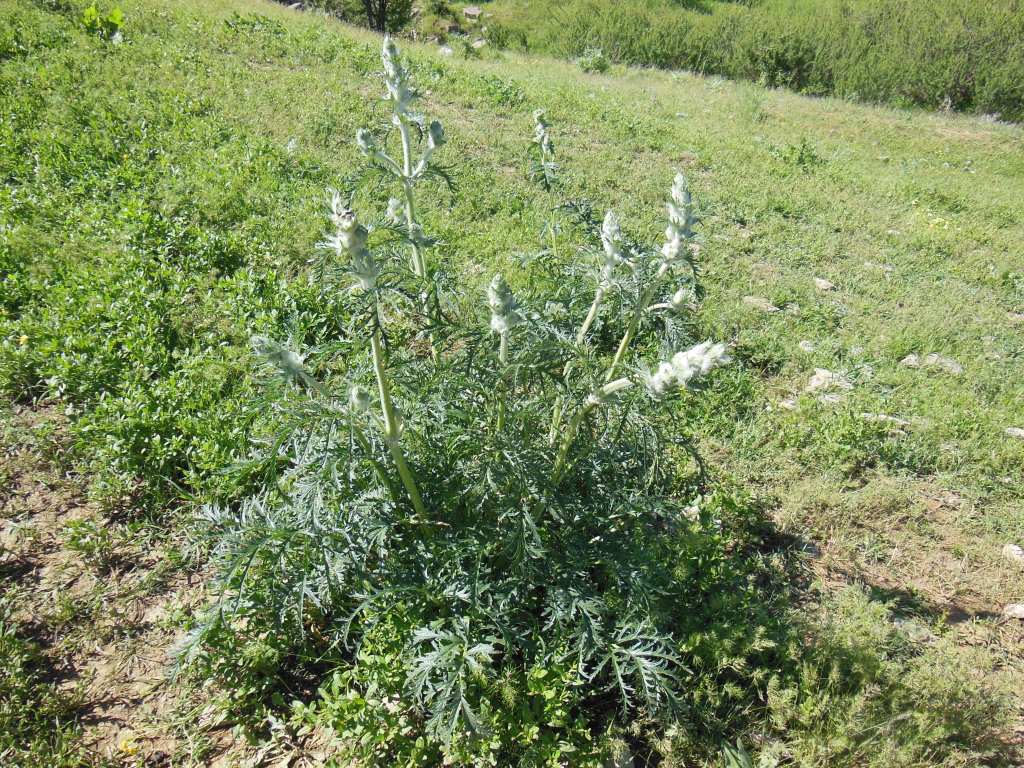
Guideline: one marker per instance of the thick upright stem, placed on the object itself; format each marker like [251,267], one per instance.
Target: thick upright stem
[634,323]
[392,430]
[503,359]
[598,398]
[591,315]
[418,264]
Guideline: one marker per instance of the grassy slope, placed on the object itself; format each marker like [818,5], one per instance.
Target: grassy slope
[152,217]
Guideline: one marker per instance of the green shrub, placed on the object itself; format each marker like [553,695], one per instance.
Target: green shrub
[959,55]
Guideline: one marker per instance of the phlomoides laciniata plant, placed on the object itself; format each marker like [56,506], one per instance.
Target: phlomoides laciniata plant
[514,499]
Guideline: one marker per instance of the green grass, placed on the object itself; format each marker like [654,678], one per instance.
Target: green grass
[955,54]
[162,197]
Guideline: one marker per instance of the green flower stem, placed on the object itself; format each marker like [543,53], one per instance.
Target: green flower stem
[503,359]
[634,323]
[556,420]
[419,265]
[591,315]
[391,428]
[599,397]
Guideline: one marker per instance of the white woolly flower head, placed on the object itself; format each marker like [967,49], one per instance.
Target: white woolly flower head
[505,314]
[396,78]
[683,370]
[349,241]
[611,236]
[541,136]
[680,220]
[684,298]
[611,243]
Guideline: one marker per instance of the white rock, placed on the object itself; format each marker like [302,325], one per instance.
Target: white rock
[948,364]
[480,43]
[824,379]
[911,361]
[1014,553]
[1015,432]
[445,50]
[824,285]
[789,404]
[807,346]
[1014,611]
[760,302]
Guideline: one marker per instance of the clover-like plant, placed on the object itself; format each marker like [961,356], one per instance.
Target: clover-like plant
[510,506]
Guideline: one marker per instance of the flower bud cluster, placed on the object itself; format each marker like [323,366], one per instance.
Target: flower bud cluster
[611,243]
[679,233]
[683,370]
[541,136]
[396,80]
[435,139]
[505,314]
[349,241]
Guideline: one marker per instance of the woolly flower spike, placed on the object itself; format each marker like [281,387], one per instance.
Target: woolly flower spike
[435,139]
[396,79]
[682,299]
[680,220]
[611,240]
[685,368]
[541,137]
[349,242]
[504,312]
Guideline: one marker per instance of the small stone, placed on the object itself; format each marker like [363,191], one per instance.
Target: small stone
[947,364]
[1015,317]
[789,404]
[1014,553]
[824,285]
[445,50]
[792,309]
[911,361]
[760,302]
[807,346]
[830,398]
[824,379]
[1016,432]
[1014,611]
[480,43]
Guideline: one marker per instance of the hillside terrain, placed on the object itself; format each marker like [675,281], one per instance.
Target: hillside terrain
[162,200]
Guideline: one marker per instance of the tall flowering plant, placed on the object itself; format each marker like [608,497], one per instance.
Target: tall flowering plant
[504,505]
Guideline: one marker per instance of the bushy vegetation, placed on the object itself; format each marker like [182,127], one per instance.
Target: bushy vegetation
[162,206]
[959,54]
